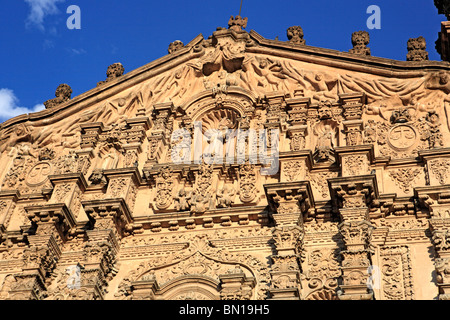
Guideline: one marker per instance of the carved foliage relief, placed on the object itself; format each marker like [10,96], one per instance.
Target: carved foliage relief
[396,273]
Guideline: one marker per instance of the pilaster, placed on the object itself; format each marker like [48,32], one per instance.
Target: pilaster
[289,202]
[352,198]
[436,200]
[52,225]
[160,133]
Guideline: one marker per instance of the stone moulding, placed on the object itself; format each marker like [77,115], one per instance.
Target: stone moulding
[207,219]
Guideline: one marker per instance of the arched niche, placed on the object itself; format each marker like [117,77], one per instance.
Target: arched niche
[205,275]
[235,98]
[217,120]
[190,287]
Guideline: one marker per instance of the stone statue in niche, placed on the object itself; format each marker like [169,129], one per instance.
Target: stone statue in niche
[433,134]
[63,93]
[110,160]
[225,197]
[325,141]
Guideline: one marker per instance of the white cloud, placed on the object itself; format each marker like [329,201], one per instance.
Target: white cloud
[76,51]
[39,9]
[9,107]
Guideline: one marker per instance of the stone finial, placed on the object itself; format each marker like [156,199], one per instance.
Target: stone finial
[114,71]
[175,46]
[360,40]
[417,49]
[295,35]
[443,7]
[237,23]
[63,93]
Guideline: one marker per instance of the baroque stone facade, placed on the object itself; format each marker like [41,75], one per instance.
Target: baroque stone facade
[235,168]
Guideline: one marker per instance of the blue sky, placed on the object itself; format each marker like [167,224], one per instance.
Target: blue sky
[38,51]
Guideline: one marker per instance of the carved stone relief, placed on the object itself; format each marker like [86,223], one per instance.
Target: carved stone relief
[396,273]
[208,230]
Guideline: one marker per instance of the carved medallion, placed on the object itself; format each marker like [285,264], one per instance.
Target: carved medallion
[402,137]
[38,174]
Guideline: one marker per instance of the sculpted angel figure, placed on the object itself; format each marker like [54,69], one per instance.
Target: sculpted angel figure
[182,200]
[200,202]
[269,72]
[225,197]
[321,86]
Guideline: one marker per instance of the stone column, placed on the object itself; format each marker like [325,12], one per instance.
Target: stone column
[8,200]
[135,136]
[67,190]
[352,198]
[436,200]
[90,133]
[110,220]
[84,158]
[52,225]
[297,109]
[352,105]
[235,285]
[275,116]
[145,288]
[114,212]
[100,252]
[160,132]
[288,203]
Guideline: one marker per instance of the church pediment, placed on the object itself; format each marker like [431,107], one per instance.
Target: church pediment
[249,61]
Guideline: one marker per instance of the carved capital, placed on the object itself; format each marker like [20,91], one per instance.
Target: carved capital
[110,214]
[289,200]
[8,200]
[288,238]
[236,285]
[356,234]
[352,104]
[352,196]
[27,286]
[54,219]
[90,133]
[297,109]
